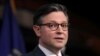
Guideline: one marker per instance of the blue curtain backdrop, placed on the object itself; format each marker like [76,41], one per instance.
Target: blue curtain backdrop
[11,39]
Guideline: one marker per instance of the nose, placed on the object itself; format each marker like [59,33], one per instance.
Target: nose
[59,30]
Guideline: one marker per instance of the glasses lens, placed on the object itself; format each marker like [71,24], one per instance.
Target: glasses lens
[52,26]
[64,26]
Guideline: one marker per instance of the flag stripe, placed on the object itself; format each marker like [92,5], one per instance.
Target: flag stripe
[11,39]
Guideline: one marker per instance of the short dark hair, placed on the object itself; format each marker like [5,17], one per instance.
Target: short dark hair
[46,9]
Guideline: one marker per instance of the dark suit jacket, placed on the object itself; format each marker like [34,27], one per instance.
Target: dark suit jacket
[37,52]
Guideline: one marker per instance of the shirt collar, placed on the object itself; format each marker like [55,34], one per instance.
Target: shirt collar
[48,52]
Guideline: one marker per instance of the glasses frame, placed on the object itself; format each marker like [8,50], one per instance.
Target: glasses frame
[56,26]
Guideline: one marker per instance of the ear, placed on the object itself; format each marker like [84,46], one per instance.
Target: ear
[37,30]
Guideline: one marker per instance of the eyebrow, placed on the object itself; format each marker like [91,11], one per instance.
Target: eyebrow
[56,22]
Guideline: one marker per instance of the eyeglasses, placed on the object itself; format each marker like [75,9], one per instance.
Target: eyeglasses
[55,26]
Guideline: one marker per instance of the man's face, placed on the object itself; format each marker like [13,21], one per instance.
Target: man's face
[55,38]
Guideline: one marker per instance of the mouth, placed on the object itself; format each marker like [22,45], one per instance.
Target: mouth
[59,39]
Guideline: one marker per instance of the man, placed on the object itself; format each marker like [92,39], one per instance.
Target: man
[51,27]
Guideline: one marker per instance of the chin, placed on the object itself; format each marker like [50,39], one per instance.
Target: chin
[59,46]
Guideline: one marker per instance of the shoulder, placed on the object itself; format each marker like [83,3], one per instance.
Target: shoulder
[35,52]
[65,55]
[29,54]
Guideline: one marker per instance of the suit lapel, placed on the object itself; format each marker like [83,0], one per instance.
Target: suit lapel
[64,54]
[38,52]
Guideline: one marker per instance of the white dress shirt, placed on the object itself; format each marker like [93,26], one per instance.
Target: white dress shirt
[48,52]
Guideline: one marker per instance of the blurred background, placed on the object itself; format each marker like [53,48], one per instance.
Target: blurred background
[84,32]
